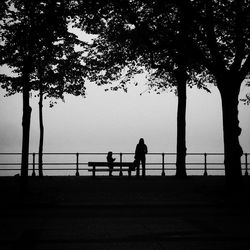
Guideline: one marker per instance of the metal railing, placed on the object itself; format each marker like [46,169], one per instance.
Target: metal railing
[157,163]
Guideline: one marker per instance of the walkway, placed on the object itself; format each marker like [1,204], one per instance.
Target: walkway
[121,213]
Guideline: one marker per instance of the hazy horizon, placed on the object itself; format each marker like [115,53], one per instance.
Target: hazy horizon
[115,121]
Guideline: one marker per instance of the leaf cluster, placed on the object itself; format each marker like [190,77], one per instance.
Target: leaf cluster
[137,35]
[37,32]
[207,38]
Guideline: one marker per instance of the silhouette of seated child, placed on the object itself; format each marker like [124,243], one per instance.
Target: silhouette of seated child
[110,160]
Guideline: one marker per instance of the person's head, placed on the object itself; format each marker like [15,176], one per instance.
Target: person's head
[109,153]
[141,141]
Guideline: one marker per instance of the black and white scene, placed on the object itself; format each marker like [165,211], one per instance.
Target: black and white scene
[125,124]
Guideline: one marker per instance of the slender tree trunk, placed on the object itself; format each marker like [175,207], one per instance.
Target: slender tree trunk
[229,89]
[181,78]
[40,160]
[181,124]
[25,132]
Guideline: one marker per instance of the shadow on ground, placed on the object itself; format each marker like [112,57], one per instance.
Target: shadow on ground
[121,213]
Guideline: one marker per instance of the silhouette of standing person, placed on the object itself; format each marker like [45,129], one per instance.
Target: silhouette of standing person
[110,160]
[140,156]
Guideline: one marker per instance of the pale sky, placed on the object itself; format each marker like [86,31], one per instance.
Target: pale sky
[115,121]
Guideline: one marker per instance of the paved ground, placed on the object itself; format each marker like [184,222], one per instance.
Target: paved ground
[121,213]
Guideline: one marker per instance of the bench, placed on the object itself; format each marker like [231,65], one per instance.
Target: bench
[117,166]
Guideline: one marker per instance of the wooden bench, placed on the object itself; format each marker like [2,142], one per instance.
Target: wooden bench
[117,167]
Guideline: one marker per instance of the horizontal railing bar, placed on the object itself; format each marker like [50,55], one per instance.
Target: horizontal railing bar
[12,153]
[205,162]
[104,153]
[205,153]
[4,169]
[58,163]
[117,153]
[153,163]
[56,169]
[73,164]
[10,169]
[86,163]
[149,163]
[13,164]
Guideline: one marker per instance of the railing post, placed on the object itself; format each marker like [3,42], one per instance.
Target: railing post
[205,164]
[34,163]
[246,173]
[77,164]
[120,174]
[163,165]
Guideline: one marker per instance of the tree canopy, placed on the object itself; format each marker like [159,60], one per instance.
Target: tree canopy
[37,46]
[42,32]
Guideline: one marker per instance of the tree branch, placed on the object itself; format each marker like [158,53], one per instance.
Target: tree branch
[239,39]
[211,38]
[245,69]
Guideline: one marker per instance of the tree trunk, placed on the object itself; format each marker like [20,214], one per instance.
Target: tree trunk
[25,132]
[181,124]
[40,155]
[229,88]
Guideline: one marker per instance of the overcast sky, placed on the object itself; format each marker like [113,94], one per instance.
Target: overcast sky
[115,121]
